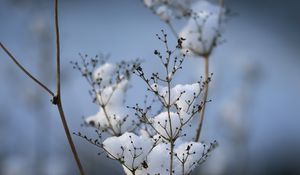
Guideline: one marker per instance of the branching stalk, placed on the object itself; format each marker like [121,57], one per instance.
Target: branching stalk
[57,98]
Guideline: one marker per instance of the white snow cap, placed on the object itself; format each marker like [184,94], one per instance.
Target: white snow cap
[151,3]
[120,120]
[190,153]
[104,72]
[158,160]
[164,13]
[169,9]
[202,28]
[117,117]
[181,95]
[114,94]
[190,91]
[161,123]
[130,148]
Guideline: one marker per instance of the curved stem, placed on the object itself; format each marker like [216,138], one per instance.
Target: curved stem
[201,113]
[57,99]
[25,71]
[68,134]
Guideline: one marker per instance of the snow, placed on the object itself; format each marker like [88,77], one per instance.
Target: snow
[130,148]
[116,118]
[168,9]
[105,73]
[161,123]
[190,153]
[180,94]
[151,3]
[120,119]
[113,95]
[201,29]
[190,91]
[164,13]
[158,160]
[138,153]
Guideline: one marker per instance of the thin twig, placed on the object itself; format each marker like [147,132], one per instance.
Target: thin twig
[68,134]
[57,48]
[25,71]
[57,99]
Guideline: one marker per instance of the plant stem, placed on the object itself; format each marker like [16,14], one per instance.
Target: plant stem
[169,113]
[201,113]
[57,48]
[25,71]
[171,157]
[182,168]
[68,134]
[109,122]
[57,99]
[171,130]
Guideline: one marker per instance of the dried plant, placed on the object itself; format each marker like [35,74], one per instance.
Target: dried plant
[145,142]
[202,32]
[142,140]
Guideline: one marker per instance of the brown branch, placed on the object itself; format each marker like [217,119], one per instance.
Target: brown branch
[57,99]
[68,134]
[25,71]
[57,48]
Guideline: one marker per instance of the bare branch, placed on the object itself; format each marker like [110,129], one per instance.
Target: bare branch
[25,71]
[57,99]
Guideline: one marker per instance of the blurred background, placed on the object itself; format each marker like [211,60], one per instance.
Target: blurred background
[254,113]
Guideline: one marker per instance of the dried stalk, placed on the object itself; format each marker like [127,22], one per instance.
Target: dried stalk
[57,99]
[25,70]
[201,113]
